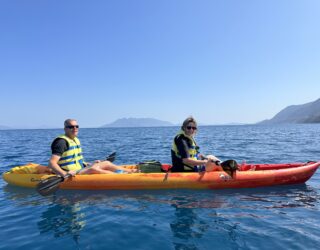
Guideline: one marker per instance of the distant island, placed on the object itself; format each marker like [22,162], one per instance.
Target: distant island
[138,122]
[304,113]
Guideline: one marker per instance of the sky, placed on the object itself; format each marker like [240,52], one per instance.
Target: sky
[97,61]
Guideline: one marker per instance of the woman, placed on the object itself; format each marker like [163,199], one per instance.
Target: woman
[185,152]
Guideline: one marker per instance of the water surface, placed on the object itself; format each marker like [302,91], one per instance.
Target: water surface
[285,217]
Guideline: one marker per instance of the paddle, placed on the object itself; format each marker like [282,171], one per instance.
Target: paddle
[229,166]
[111,157]
[51,185]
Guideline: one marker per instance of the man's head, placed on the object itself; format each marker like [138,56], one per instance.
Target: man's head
[71,128]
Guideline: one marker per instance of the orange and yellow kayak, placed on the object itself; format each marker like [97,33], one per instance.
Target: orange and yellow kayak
[249,176]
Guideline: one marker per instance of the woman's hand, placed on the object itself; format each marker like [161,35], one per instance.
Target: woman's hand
[201,156]
[212,166]
[212,158]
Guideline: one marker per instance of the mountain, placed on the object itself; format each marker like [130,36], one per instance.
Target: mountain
[138,122]
[304,113]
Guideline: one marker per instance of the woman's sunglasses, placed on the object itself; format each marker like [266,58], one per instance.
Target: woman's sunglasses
[190,127]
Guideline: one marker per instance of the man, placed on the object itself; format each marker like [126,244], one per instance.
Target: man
[67,155]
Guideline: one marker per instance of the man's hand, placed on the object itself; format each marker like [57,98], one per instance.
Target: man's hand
[71,172]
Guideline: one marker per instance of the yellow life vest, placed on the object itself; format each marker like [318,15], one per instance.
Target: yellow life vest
[192,148]
[71,159]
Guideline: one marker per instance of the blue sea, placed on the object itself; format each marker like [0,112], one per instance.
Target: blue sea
[284,217]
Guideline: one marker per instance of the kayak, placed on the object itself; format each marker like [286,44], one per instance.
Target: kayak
[248,176]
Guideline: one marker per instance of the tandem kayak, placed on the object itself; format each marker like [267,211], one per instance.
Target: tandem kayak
[249,176]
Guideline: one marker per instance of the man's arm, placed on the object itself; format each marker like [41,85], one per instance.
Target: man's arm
[58,147]
[53,164]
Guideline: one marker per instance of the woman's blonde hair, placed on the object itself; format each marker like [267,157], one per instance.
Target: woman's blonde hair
[187,121]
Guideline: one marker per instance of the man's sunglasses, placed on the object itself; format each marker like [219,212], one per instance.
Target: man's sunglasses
[190,127]
[72,127]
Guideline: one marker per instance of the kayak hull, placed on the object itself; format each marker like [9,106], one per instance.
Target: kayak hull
[249,176]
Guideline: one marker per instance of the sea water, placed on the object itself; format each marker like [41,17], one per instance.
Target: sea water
[284,217]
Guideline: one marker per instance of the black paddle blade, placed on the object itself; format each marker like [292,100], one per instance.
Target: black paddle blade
[230,166]
[49,186]
[111,157]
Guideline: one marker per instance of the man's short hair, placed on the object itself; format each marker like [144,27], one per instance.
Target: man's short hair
[67,122]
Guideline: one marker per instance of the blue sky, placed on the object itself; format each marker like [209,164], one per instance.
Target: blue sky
[97,61]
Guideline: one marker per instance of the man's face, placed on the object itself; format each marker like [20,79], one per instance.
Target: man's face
[72,129]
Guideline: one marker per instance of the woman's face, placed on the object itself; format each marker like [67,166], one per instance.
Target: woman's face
[191,129]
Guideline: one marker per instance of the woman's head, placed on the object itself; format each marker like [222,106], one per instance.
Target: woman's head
[189,126]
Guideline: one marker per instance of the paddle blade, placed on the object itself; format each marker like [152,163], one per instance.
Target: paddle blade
[111,157]
[49,186]
[230,166]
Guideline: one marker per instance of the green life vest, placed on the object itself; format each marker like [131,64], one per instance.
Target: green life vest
[193,149]
[72,158]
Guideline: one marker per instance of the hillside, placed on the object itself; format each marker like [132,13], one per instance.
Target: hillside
[304,113]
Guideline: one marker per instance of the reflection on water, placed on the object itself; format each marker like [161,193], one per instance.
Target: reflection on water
[195,217]
[186,226]
[197,220]
[22,196]
[295,195]
[282,197]
[62,215]
[62,219]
